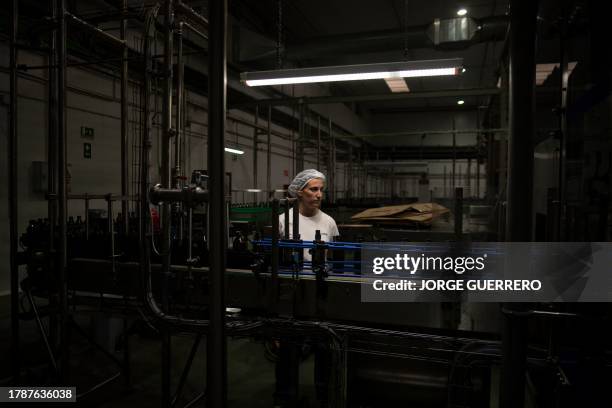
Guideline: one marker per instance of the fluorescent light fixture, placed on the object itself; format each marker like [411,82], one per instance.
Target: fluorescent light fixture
[406,69]
[460,102]
[253,190]
[235,151]
[397,85]
[461,12]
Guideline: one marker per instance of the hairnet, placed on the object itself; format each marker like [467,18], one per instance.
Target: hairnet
[302,178]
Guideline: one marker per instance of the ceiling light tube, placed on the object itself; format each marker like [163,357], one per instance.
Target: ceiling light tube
[406,69]
[235,151]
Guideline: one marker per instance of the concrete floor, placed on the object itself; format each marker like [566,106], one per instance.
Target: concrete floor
[250,373]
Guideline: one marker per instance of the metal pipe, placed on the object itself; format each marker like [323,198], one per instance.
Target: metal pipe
[333,178]
[458,213]
[454,156]
[195,30]
[523,24]
[52,164]
[255,141]
[417,36]
[477,179]
[111,231]
[41,327]
[86,218]
[191,13]
[166,181]
[62,191]
[563,68]
[100,33]
[269,152]
[274,255]
[299,160]
[286,218]
[521,118]
[124,121]
[318,142]
[186,369]
[216,376]
[468,174]
[189,196]
[180,84]
[296,220]
[13,196]
[179,144]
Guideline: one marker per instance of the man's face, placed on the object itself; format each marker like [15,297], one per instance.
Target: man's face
[310,197]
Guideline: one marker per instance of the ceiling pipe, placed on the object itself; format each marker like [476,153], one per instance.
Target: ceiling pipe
[421,36]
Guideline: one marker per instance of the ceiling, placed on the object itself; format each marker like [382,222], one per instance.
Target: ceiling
[311,28]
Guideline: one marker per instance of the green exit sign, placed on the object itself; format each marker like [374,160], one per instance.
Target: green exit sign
[87,132]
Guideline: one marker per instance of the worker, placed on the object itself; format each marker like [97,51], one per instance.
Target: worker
[308,187]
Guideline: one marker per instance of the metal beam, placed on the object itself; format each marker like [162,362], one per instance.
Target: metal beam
[371,98]
[166,178]
[425,132]
[62,191]
[523,27]
[216,361]
[12,196]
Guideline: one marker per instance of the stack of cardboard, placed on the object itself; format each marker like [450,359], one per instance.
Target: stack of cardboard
[420,214]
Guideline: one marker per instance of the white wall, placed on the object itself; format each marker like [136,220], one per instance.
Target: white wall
[92,101]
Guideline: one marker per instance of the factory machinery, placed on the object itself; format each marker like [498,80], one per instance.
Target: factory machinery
[178,274]
[382,354]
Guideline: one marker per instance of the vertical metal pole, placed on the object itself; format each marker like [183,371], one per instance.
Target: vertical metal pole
[349,177]
[318,142]
[458,212]
[124,179]
[295,233]
[124,121]
[563,65]
[86,217]
[274,256]
[180,85]
[179,130]
[13,195]
[255,141]
[468,177]
[166,180]
[111,232]
[269,154]
[331,162]
[216,366]
[454,157]
[286,218]
[444,182]
[62,190]
[522,107]
[523,22]
[293,142]
[52,164]
[299,153]
[477,179]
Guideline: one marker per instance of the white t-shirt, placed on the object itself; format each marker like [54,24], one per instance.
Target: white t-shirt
[309,226]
